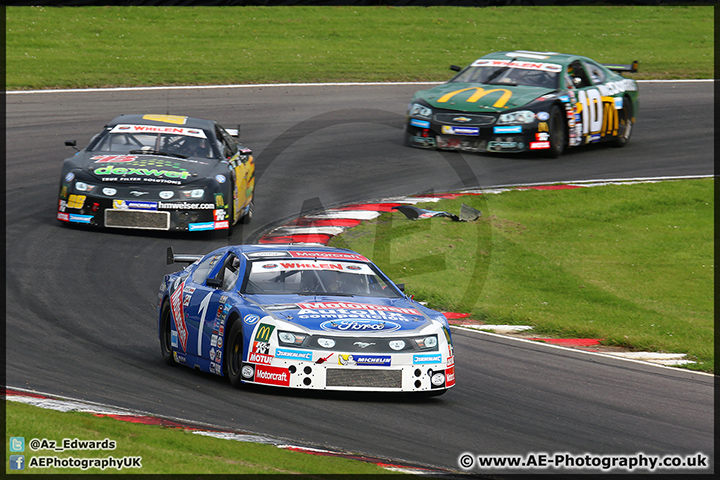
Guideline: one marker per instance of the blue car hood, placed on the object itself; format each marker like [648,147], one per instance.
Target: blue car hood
[362,315]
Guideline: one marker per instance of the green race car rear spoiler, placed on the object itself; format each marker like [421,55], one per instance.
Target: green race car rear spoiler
[632,68]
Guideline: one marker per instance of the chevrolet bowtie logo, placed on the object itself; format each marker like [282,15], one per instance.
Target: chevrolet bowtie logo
[461,119]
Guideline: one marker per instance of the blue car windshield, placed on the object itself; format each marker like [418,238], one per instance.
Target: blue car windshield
[316,277]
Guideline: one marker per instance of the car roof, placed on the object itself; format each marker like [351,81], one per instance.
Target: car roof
[554,57]
[163,120]
[337,253]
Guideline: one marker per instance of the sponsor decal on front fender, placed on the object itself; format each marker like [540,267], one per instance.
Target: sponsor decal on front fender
[293,354]
[272,375]
[539,145]
[256,357]
[421,359]
[450,376]
[176,306]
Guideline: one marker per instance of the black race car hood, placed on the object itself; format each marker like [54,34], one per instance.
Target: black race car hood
[145,169]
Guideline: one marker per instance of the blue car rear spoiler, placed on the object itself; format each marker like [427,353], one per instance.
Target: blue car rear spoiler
[181,257]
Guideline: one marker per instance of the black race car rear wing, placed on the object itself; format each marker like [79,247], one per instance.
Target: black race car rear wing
[181,258]
[632,68]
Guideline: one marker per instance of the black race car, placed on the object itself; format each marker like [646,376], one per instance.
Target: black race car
[159,172]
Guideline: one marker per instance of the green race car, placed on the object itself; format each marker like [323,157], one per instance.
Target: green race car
[521,101]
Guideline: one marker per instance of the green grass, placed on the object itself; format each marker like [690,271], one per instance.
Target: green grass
[163,450]
[50,47]
[631,264]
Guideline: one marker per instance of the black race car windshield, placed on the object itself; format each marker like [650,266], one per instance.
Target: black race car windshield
[140,139]
[510,75]
[316,277]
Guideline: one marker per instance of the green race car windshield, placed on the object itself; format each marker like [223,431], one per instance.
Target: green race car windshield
[510,75]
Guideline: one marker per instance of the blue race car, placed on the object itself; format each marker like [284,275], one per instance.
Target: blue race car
[301,316]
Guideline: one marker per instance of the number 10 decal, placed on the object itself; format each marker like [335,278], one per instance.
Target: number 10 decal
[599,114]
[591,109]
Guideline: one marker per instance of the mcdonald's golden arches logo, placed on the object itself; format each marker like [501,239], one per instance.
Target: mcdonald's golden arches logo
[263,332]
[480,93]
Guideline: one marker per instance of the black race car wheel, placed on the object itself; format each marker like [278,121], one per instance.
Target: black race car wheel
[625,117]
[231,211]
[165,335]
[234,353]
[558,136]
[406,139]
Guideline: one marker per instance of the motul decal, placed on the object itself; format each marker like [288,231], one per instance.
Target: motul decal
[256,357]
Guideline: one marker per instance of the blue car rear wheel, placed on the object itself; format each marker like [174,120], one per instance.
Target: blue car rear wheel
[165,334]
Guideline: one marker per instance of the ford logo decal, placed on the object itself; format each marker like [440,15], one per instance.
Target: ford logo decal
[359,326]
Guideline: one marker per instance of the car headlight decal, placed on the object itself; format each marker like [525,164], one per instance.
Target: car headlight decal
[521,117]
[194,193]
[83,187]
[429,342]
[291,338]
[420,111]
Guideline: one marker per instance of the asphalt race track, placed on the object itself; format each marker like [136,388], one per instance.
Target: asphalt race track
[81,317]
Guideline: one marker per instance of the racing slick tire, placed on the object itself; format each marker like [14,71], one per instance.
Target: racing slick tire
[233,355]
[406,139]
[165,335]
[625,117]
[558,135]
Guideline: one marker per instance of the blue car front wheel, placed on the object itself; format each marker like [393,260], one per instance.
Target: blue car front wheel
[234,353]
